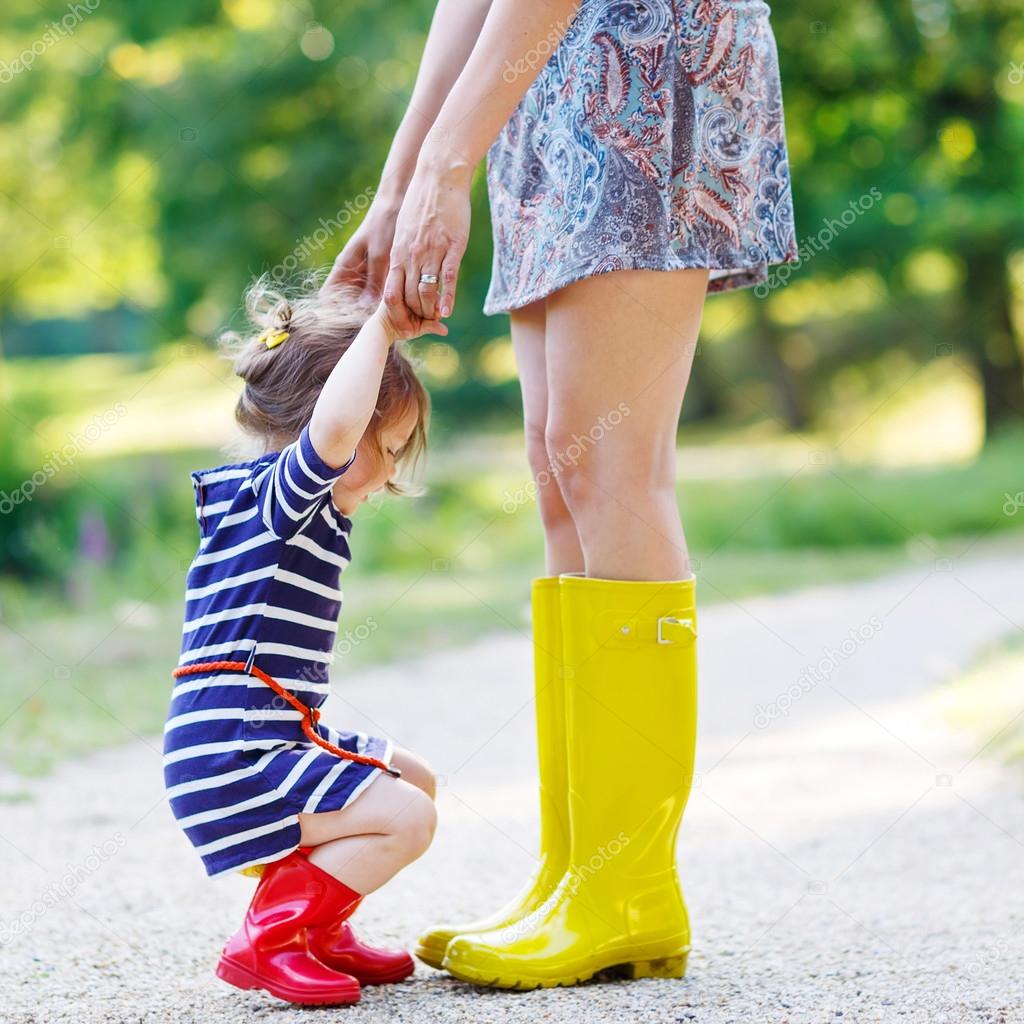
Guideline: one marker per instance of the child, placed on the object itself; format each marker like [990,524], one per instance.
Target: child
[258,783]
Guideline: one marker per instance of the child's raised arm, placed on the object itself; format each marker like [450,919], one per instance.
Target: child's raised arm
[350,393]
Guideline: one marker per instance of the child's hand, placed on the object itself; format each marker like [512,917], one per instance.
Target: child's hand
[420,326]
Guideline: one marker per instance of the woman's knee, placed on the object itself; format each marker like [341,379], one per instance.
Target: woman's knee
[536,450]
[550,502]
[597,469]
[586,457]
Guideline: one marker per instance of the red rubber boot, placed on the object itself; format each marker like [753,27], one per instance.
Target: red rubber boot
[270,950]
[338,946]
[341,949]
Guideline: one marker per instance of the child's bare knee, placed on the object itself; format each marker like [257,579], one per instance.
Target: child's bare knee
[419,824]
[429,781]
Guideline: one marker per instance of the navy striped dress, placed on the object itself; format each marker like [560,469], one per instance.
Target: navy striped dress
[263,589]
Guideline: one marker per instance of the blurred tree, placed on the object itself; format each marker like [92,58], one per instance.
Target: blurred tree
[154,157]
[921,103]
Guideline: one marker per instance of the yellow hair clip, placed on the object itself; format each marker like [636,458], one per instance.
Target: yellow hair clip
[272,338]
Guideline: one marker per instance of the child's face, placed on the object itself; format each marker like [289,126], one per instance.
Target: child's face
[367,474]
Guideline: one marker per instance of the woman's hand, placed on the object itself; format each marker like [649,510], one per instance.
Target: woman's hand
[364,260]
[417,326]
[431,235]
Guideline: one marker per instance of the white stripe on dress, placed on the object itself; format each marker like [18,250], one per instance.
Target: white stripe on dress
[301,459]
[243,837]
[216,813]
[221,779]
[206,749]
[286,785]
[325,784]
[329,520]
[291,651]
[206,715]
[230,582]
[300,540]
[208,558]
[280,496]
[310,586]
[237,517]
[198,653]
[216,508]
[272,611]
[273,715]
[220,680]
[293,486]
[276,611]
[232,714]
[222,474]
[225,613]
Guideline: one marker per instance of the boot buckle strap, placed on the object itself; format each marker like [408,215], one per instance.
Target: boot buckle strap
[621,628]
[673,621]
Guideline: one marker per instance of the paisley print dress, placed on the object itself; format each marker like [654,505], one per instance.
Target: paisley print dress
[653,138]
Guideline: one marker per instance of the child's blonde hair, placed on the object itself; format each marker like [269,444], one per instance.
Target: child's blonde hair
[283,383]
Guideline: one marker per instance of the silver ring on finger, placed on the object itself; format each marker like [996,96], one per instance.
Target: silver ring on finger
[428,278]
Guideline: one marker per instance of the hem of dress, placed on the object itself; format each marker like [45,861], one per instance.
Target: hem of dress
[735,278]
[293,821]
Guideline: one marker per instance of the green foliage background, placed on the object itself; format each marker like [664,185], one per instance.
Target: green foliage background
[153,157]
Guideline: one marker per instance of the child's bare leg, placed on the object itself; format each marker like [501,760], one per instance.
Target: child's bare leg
[415,770]
[365,844]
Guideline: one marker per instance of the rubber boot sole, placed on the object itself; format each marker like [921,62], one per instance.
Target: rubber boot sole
[241,977]
[673,966]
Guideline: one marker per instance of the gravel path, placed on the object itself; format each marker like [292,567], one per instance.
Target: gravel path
[846,856]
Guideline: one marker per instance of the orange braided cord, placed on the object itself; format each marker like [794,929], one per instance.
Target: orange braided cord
[310,716]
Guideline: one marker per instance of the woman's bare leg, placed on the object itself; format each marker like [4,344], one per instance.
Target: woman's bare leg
[383,830]
[619,348]
[563,552]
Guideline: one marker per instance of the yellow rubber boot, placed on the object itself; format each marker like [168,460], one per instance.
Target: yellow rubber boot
[549,702]
[631,710]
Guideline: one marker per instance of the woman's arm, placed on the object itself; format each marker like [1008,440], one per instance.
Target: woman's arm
[432,231]
[453,33]
[516,41]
